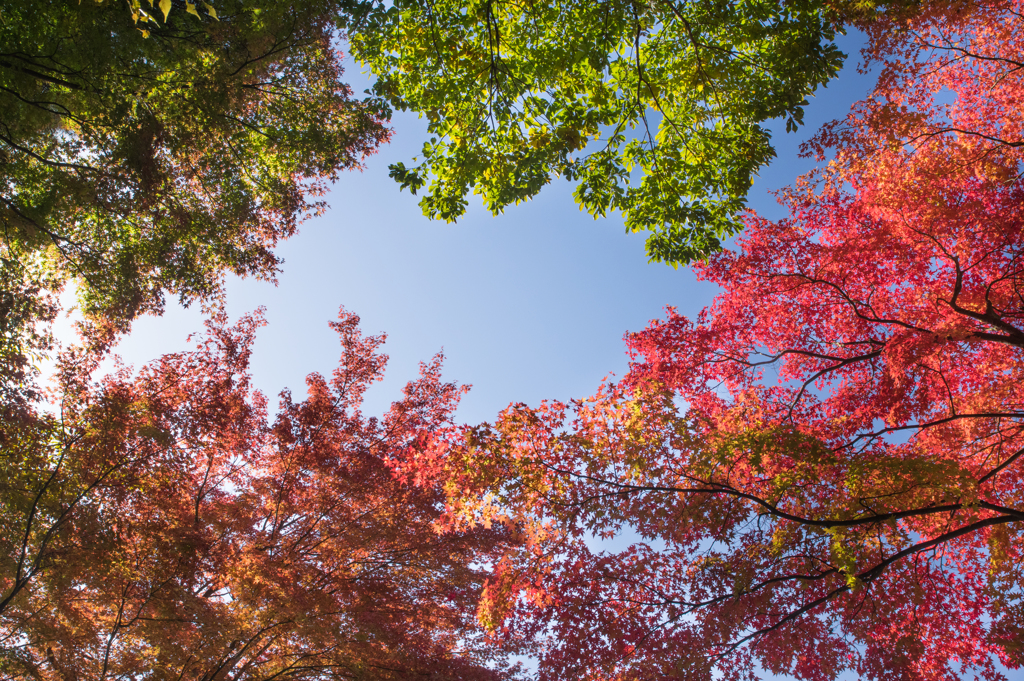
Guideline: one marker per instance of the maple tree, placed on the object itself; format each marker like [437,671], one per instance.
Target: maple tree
[157,526]
[824,471]
[972,52]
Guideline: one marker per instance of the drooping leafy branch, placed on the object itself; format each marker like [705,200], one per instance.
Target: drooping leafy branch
[656,109]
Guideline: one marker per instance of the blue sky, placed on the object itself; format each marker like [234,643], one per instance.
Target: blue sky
[527,305]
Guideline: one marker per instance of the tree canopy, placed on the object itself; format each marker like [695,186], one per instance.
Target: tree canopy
[657,109]
[160,526]
[149,152]
[821,473]
[142,158]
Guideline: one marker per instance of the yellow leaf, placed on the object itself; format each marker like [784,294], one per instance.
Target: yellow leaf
[209,8]
[165,7]
[191,9]
[145,33]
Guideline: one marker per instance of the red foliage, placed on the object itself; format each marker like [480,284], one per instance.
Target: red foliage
[845,487]
[159,527]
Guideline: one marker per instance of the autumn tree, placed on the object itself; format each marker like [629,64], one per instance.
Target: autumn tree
[948,79]
[822,473]
[656,109]
[150,155]
[157,526]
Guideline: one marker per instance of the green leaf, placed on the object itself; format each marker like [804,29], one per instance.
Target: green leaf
[134,223]
[670,129]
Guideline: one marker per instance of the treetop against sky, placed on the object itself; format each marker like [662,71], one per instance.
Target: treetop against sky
[152,151]
[818,470]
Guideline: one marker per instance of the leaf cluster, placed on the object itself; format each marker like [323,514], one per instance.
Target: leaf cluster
[152,155]
[655,109]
